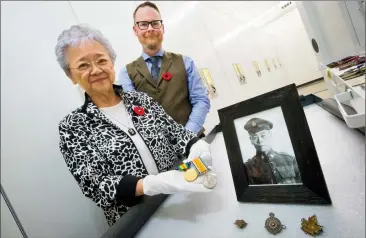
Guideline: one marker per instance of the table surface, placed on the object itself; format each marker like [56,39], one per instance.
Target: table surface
[341,152]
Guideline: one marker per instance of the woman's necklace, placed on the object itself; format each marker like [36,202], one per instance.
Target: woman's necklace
[130,129]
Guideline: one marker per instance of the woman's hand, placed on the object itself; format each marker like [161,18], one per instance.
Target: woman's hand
[171,182]
[200,149]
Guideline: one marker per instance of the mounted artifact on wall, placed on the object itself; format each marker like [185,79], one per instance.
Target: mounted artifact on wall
[267,65]
[207,80]
[239,72]
[256,68]
[274,63]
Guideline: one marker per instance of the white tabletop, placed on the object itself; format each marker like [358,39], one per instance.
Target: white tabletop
[341,152]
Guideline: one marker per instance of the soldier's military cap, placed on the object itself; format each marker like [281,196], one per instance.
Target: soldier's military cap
[257,124]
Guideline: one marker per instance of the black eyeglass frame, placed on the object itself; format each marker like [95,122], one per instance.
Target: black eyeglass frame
[149,23]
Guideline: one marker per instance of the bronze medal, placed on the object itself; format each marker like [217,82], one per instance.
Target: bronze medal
[190,175]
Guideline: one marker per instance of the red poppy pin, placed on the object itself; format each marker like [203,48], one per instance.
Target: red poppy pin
[167,76]
[139,111]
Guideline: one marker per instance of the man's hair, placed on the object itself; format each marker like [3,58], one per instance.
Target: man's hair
[145,4]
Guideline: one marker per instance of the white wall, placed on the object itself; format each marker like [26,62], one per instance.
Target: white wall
[35,94]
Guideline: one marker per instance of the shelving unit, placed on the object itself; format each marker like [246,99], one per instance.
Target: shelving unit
[347,92]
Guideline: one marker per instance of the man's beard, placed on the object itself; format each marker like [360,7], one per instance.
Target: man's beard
[151,46]
[153,43]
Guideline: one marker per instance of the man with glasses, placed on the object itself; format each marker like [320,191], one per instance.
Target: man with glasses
[268,166]
[171,79]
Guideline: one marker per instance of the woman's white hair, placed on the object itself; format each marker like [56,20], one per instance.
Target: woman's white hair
[76,35]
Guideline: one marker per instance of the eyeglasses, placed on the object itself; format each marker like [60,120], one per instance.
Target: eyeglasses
[87,66]
[143,25]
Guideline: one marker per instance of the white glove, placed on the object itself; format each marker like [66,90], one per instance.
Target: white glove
[200,149]
[171,182]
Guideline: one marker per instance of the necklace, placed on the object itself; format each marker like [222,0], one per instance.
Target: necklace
[130,129]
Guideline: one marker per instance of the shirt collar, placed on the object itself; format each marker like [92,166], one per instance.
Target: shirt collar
[270,153]
[89,105]
[159,53]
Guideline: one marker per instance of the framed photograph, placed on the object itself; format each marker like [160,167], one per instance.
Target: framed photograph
[271,152]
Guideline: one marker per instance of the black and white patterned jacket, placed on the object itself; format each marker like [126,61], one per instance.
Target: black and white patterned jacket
[104,160]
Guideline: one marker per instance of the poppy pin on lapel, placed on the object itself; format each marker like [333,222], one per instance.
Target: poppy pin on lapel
[139,110]
[167,76]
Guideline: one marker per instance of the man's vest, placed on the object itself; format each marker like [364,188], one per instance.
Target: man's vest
[173,94]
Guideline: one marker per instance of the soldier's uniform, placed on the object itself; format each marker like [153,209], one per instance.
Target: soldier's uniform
[273,167]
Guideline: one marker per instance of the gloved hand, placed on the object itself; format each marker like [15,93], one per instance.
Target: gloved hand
[200,149]
[171,182]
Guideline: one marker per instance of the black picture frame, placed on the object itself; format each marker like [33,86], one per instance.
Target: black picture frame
[313,189]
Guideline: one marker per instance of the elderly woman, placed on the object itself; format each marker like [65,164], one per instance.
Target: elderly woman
[119,146]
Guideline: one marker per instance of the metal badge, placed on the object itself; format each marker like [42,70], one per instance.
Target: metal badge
[273,225]
[311,226]
[240,223]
